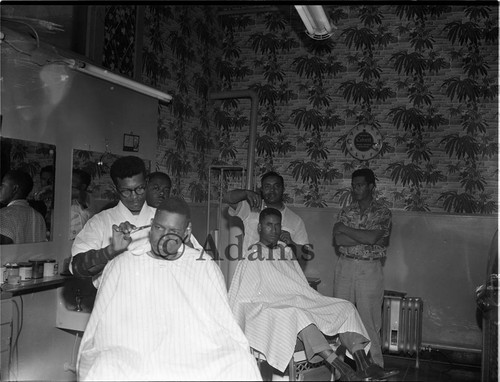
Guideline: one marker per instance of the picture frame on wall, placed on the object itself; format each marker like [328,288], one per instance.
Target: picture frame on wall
[131,142]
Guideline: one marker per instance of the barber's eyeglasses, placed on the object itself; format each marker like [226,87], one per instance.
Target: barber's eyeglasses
[127,192]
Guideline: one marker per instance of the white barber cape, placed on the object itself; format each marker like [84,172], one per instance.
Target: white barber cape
[164,320]
[272,301]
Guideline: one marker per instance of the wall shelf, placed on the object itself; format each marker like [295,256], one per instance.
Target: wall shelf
[35,285]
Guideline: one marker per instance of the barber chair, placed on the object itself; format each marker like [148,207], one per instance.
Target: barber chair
[299,368]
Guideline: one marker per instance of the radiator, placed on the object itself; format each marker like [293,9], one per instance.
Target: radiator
[402,325]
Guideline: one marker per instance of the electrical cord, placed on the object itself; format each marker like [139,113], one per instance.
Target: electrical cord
[49,25]
[10,342]
[26,24]
[14,348]
[21,319]
[21,323]
[16,48]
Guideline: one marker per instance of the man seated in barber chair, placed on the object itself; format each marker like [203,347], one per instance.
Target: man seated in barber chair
[161,312]
[274,304]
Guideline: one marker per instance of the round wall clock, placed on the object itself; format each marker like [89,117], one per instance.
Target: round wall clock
[364,142]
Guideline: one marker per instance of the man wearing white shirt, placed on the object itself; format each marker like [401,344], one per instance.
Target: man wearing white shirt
[97,242]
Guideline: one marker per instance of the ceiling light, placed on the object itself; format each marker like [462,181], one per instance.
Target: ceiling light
[316,21]
[106,75]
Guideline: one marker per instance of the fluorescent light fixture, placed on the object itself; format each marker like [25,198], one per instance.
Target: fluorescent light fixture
[316,21]
[106,75]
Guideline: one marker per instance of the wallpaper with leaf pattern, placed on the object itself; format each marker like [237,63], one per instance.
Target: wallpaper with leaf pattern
[424,75]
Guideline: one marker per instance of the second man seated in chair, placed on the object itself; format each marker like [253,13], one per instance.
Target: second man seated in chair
[273,303]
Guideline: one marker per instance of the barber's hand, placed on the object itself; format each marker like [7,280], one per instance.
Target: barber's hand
[286,237]
[254,199]
[121,236]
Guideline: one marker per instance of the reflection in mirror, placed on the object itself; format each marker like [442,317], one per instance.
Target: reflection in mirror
[91,187]
[26,211]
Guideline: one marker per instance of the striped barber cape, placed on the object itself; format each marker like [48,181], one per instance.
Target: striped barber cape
[272,302]
[164,320]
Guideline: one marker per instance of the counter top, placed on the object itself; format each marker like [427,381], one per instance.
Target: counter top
[31,286]
[37,285]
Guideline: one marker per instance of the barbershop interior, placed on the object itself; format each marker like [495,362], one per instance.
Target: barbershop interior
[217,95]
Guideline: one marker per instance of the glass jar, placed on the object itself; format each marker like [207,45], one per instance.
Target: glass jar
[37,272]
[12,269]
[4,274]
[49,268]
[25,271]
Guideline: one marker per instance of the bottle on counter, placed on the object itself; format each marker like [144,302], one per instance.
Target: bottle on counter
[12,271]
[37,271]
[4,274]
[25,271]
[49,268]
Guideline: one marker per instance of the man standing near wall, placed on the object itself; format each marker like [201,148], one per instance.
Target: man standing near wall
[361,234]
[158,188]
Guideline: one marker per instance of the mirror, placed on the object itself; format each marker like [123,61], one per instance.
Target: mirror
[37,160]
[91,187]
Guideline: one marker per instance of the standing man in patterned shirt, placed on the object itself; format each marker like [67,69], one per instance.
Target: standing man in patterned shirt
[361,235]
